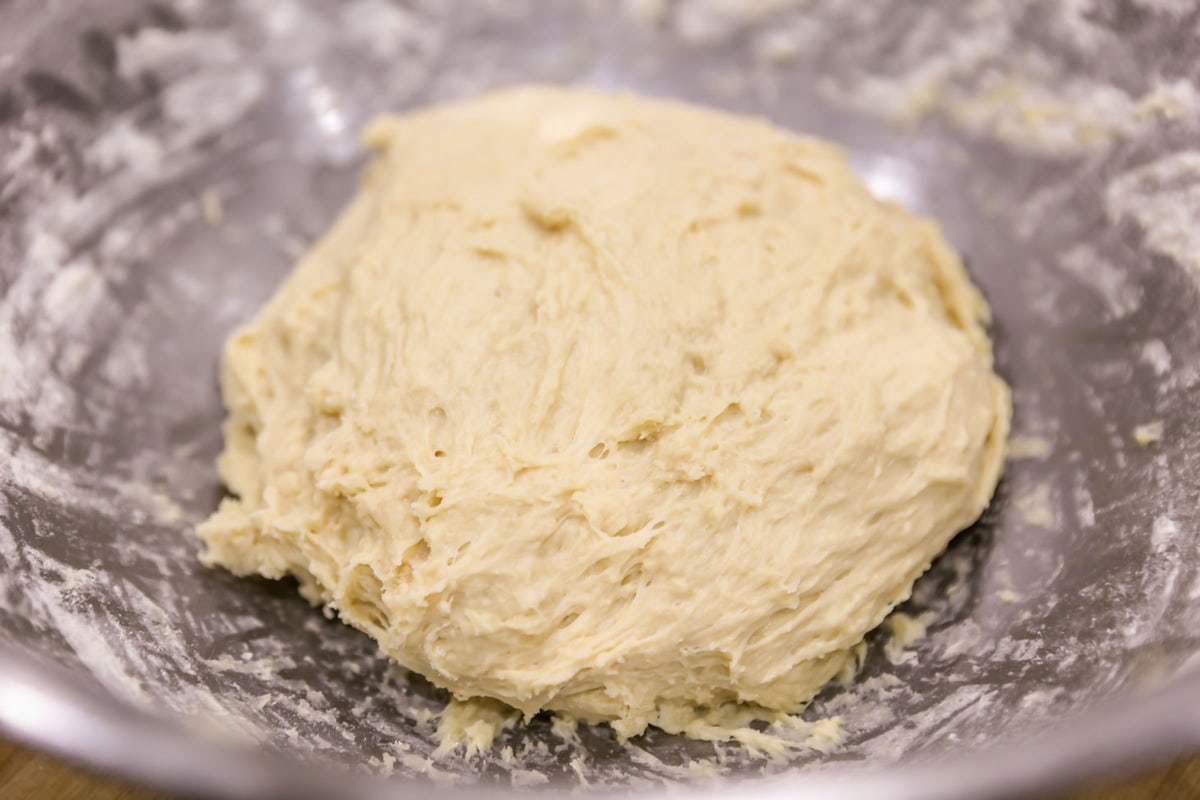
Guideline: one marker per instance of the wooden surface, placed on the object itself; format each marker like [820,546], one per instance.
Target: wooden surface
[26,775]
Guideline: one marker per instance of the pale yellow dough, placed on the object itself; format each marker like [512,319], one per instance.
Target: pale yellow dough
[613,406]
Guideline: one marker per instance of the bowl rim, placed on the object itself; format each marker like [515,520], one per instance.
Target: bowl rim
[47,707]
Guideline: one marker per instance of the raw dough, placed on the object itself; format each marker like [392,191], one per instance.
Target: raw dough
[613,406]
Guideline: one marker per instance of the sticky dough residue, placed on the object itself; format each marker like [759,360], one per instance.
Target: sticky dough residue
[976,64]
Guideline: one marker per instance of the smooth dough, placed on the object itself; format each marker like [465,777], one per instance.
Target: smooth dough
[614,406]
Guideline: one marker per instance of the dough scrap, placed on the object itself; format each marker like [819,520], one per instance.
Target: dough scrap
[614,406]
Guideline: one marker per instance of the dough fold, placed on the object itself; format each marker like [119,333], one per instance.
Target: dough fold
[612,406]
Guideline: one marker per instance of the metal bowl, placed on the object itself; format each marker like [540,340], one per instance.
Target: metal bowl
[163,163]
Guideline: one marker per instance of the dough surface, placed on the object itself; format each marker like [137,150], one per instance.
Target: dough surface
[613,406]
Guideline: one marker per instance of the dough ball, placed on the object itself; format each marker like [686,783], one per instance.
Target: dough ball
[614,406]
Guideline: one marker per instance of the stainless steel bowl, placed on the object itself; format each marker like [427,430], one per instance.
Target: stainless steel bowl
[163,163]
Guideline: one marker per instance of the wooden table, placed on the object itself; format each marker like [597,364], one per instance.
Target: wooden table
[26,775]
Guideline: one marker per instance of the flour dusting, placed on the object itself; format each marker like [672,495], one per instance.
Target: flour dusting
[1163,199]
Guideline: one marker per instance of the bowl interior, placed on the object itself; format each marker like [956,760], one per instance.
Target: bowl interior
[163,164]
